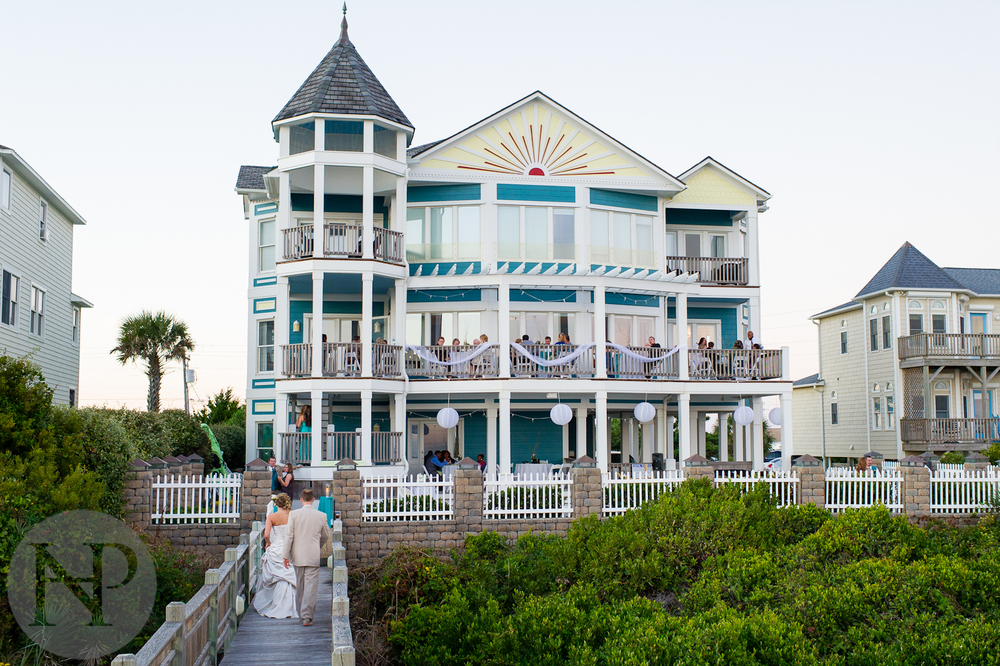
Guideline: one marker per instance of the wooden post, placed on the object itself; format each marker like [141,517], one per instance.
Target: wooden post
[212,578]
[175,613]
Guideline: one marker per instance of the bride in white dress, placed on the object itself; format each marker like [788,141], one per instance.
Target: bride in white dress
[276,589]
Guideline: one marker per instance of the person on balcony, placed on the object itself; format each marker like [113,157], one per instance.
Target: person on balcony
[303,423]
[751,341]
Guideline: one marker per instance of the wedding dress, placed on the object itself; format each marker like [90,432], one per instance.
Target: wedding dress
[276,589]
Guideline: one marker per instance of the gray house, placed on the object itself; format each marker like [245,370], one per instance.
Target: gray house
[40,316]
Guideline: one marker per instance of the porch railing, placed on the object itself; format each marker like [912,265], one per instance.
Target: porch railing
[734,363]
[342,359]
[782,485]
[386,361]
[959,345]
[524,366]
[342,240]
[296,447]
[484,365]
[387,447]
[298,243]
[389,245]
[621,366]
[296,360]
[340,445]
[712,270]
[949,430]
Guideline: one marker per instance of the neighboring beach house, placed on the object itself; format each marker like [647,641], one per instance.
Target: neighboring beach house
[40,316]
[530,222]
[909,365]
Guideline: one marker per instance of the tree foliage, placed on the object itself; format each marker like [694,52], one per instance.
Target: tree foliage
[153,339]
[223,407]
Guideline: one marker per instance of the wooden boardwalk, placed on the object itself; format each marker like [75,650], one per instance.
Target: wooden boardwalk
[266,641]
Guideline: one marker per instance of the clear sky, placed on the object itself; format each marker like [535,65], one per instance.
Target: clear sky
[871,123]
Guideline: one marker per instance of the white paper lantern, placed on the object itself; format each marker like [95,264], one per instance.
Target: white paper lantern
[743,415]
[645,412]
[447,418]
[561,414]
[774,416]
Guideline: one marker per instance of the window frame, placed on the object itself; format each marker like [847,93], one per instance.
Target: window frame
[455,246]
[261,247]
[910,318]
[873,334]
[76,314]
[6,188]
[834,413]
[550,246]
[43,220]
[16,319]
[33,313]
[876,412]
[261,347]
[635,253]
[886,331]
[843,342]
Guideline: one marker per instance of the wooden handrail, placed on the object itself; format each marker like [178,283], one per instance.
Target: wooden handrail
[734,364]
[712,270]
[957,345]
[940,431]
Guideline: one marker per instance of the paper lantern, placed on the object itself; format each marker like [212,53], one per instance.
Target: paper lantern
[774,416]
[645,412]
[561,414]
[743,416]
[447,418]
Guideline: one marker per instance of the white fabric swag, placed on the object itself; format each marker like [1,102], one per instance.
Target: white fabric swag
[562,359]
[457,357]
[629,354]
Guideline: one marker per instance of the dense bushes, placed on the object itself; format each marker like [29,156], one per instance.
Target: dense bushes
[702,575]
[233,442]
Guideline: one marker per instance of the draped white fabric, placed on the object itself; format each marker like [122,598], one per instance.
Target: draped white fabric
[455,358]
[557,360]
[628,353]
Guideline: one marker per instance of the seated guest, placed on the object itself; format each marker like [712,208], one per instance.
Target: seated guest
[428,466]
[456,342]
[652,342]
[548,340]
[737,345]
[525,340]
[437,462]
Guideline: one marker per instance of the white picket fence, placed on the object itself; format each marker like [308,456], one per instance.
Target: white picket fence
[783,485]
[949,467]
[851,489]
[184,499]
[965,491]
[622,492]
[527,497]
[396,498]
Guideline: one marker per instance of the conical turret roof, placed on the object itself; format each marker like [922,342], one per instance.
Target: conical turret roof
[909,269]
[343,83]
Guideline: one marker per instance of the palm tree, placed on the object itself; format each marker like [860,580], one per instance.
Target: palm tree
[155,339]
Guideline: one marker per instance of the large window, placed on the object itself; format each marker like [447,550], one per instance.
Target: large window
[37,311]
[873,333]
[916,323]
[890,412]
[265,346]
[5,185]
[877,413]
[8,309]
[621,239]
[538,325]
[384,141]
[432,233]
[301,138]
[549,234]
[938,323]
[349,136]
[265,246]
[886,332]
[941,407]
[426,328]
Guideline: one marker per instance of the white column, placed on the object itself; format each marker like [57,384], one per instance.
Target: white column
[684,426]
[649,440]
[284,209]
[581,431]
[491,442]
[681,316]
[633,439]
[399,210]
[317,326]
[400,151]
[280,423]
[786,364]
[565,440]
[488,224]
[739,454]
[787,446]
[399,315]
[671,425]
[367,212]
[281,324]
[753,252]
[319,188]
[723,436]
[505,467]
[316,456]
[758,433]
[366,324]
[366,427]
[399,410]
[601,439]
[503,329]
[284,140]
[599,334]
[700,419]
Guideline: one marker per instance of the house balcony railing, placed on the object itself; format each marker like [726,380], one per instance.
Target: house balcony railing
[624,366]
[451,363]
[954,345]
[734,364]
[712,270]
[582,366]
[945,431]
[341,359]
[296,447]
[342,241]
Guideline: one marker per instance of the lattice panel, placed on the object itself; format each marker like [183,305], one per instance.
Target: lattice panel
[913,393]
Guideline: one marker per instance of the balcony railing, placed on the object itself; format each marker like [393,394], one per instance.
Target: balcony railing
[957,345]
[451,363]
[387,447]
[712,270]
[386,361]
[343,240]
[298,243]
[942,431]
[734,364]
[623,366]
[389,245]
[296,360]
[340,359]
[340,445]
[526,365]
[296,447]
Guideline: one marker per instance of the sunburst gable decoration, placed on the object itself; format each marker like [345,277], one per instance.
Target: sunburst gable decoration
[535,142]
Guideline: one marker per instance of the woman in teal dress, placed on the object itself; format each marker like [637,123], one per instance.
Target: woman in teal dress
[304,424]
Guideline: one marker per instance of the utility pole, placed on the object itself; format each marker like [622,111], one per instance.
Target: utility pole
[187,401]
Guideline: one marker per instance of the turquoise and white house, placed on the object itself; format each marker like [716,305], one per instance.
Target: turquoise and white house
[367,249]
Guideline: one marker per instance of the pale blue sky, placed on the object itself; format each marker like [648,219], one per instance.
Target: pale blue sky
[871,123]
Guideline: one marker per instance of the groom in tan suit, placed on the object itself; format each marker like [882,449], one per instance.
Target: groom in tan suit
[307,530]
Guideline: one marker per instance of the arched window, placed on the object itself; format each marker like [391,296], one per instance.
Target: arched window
[833,395]
[915,305]
[875,387]
[874,310]
[885,306]
[888,386]
[941,386]
[938,305]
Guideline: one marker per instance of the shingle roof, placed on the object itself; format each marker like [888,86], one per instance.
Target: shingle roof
[849,305]
[982,281]
[252,177]
[342,83]
[909,269]
[807,381]
[416,150]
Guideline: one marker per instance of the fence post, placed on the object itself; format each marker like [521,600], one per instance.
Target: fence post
[916,487]
[212,578]
[124,660]
[976,461]
[812,480]
[233,591]
[175,613]
[138,494]
[699,467]
[197,464]
[468,498]
[346,492]
[588,488]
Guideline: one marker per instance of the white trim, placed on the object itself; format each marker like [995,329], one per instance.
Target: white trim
[16,326]
[38,183]
[31,304]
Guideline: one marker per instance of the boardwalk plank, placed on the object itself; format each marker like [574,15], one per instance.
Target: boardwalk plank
[265,641]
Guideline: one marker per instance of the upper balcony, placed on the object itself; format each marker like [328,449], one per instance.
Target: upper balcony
[951,348]
[713,270]
[342,241]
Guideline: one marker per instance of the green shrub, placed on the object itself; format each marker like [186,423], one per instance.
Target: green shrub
[233,442]
[993,452]
[953,458]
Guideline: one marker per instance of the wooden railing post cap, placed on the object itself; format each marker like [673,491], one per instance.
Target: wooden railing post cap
[697,461]
[175,611]
[257,465]
[212,577]
[124,660]
[806,461]
[911,461]
[230,555]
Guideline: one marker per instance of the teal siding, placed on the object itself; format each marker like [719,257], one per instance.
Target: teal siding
[350,422]
[639,300]
[703,218]
[441,295]
[541,437]
[551,193]
[475,435]
[623,200]
[727,317]
[338,203]
[542,295]
[298,308]
[428,193]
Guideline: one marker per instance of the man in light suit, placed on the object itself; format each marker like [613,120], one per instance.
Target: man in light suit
[307,531]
